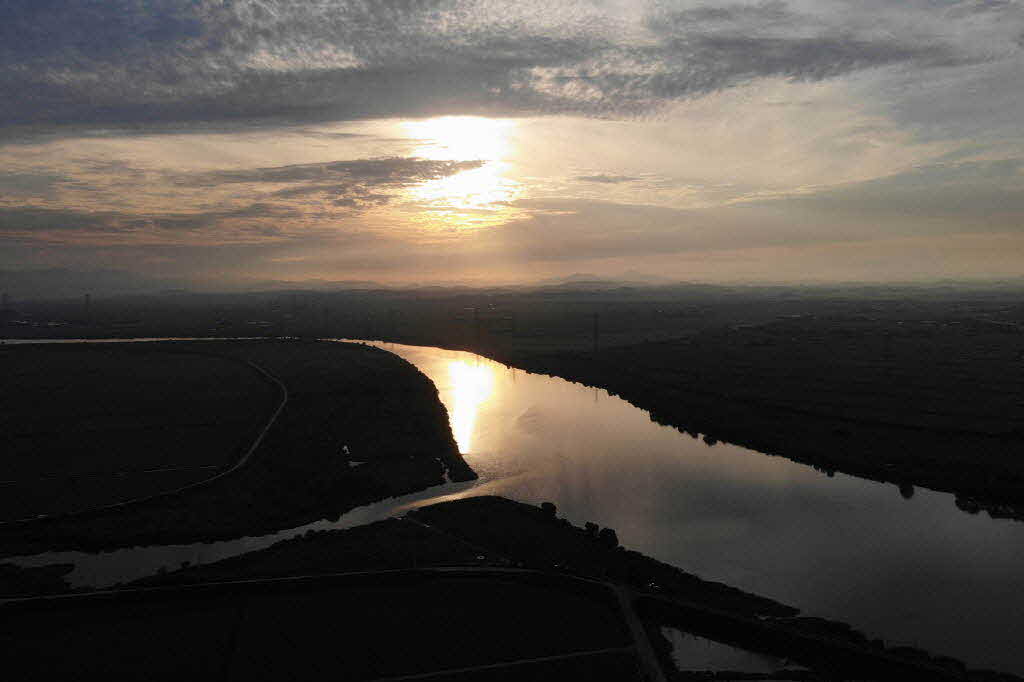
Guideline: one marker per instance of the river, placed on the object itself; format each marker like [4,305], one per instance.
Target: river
[914,571]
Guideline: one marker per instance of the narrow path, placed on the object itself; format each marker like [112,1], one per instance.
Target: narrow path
[263,432]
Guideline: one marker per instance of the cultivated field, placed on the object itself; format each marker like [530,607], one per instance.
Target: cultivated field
[89,425]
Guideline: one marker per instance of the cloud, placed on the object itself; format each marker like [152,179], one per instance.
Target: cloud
[328,191]
[42,185]
[369,172]
[954,197]
[965,103]
[126,61]
[27,222]
[607,179]
[354,185]
[938,201]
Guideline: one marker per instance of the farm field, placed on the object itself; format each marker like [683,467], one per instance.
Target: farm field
[86,426]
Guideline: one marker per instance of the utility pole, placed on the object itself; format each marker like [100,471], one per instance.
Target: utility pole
[476,325]
[888,357]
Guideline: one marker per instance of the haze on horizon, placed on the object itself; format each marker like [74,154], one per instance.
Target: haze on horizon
[225,142]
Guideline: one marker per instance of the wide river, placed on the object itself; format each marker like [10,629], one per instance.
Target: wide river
[917,571]
[913,571]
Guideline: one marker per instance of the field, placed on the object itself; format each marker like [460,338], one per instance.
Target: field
[86,426]
[377,405]
[379,628]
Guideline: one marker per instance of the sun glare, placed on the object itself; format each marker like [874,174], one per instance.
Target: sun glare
[472,386]
[472,198]
[461,138]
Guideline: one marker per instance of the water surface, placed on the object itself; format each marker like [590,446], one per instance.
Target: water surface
[914,571]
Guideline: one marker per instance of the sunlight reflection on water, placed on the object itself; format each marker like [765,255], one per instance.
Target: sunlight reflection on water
[472,385]
[839,547]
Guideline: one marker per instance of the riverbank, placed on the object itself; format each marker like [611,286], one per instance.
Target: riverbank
[360,425]
[467,552]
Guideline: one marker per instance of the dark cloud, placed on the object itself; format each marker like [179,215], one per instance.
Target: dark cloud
[812,58]
[666,16]
[27,220]
[370,172]
[31,184]
[209,219]
[350,186]
[119,128]
[356,185]
[166,60]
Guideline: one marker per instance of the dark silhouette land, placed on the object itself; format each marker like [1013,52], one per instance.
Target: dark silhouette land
[379,407]
[482,588]
[189,441]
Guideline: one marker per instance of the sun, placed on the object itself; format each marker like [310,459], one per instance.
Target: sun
[461,138]
[473,198]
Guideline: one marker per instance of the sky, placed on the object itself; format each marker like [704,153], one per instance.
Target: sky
[230,143]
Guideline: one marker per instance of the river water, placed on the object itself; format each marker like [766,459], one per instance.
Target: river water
[914,571]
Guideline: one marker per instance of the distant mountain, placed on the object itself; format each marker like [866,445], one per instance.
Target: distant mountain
[647,278]
[588,280]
